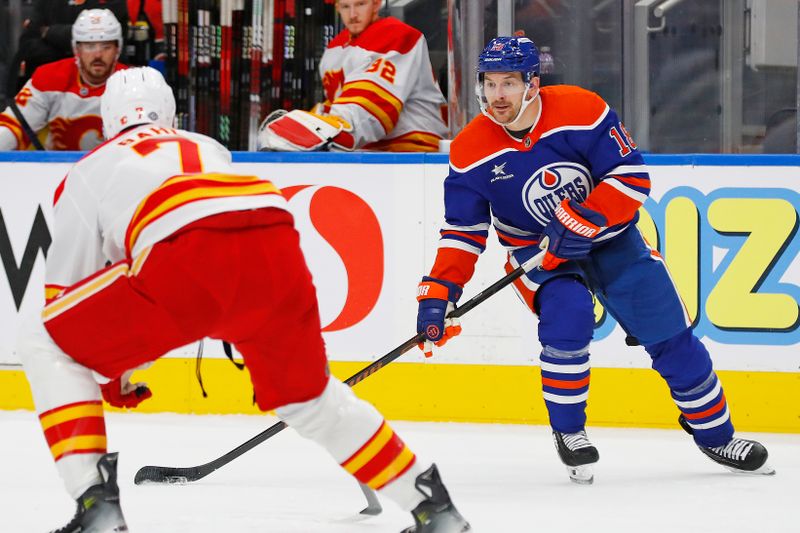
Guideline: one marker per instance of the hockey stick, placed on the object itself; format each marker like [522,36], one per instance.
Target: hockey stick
[182,475]
[25,126]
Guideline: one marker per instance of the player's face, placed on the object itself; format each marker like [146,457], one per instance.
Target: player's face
[358,14]
[96,60]
[504,93]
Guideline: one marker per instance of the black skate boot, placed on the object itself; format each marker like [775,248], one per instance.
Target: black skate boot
[738,455]
[98,508]
[578,454]
[436,513]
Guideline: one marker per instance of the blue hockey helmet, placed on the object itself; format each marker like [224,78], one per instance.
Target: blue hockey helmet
[510,54]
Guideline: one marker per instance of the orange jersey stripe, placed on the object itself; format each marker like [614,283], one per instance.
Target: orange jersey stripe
[182,190]
[615,206]
[454,265]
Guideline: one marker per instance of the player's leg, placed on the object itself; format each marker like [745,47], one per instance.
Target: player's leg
[283,348]
[645,301]
[70,409]
[566,321]
[108,323]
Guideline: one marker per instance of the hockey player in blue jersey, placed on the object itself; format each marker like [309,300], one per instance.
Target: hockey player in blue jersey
[557,162]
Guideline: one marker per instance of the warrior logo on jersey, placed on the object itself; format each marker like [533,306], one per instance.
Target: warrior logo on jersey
[551,184]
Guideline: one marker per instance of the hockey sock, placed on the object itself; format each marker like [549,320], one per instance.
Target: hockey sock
[360,440]
[684,363]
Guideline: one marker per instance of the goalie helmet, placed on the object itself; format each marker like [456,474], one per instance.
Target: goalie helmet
[96,25]
[136,96]
[507,54]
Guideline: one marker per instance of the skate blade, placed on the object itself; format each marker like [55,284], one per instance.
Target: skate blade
[582,475]
[763,470]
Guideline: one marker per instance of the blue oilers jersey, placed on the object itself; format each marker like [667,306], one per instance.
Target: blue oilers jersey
[577,149]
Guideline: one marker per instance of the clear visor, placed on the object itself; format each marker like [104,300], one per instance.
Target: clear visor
[495,87]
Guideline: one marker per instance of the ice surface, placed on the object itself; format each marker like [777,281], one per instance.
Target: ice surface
[503,478]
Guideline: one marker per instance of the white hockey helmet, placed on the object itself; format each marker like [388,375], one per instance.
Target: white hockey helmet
[136,96]
[96,25]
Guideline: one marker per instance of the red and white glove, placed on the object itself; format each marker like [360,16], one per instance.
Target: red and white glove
[302,131]
[122,393]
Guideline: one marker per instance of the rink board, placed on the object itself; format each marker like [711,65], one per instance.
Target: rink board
[727,226]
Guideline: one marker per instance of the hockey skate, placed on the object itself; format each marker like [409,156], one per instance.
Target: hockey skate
[436,513]
[578,454]
[98,508]
[738,455]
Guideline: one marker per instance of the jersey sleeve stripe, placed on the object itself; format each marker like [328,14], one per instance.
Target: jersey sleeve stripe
[624,189]
[617,206]
[461,245]
[380,103]
[628,169]
[467,237]
[483,226]
[16,129]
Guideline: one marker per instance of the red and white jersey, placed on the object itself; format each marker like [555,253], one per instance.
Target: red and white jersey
[137,189]
[382,83]
[56,98]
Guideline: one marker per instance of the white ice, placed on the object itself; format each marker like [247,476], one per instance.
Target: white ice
[503,478]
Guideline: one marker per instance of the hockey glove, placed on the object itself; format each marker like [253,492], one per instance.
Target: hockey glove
[436,299]
[571,232]
[300,131]
[122,393]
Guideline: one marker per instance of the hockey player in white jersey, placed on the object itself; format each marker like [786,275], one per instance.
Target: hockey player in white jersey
[64,96]
[380,91]
[195,250]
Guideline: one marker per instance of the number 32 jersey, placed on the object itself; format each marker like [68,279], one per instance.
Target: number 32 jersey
[138,189]
[577,149]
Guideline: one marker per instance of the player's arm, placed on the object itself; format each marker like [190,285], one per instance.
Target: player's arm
[624,186]
[463,239]
[625,182]
[33,105]
[76,250]
[373,99]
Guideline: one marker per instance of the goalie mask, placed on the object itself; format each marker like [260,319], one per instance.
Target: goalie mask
[508,54]
[136,96]
[96,25]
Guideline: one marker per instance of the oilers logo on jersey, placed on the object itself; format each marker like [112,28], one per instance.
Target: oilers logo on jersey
[551,184]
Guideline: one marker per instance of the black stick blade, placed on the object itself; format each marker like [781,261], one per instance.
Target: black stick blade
[167,475]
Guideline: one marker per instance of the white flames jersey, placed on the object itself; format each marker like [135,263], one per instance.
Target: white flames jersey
[137,189]
[57,99]
[382,83]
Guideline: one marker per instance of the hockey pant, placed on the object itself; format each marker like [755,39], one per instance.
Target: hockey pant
[238,276]
[632,282]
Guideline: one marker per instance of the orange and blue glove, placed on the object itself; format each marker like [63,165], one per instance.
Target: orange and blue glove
[437,298]
[571,232]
